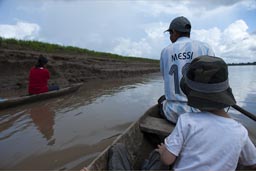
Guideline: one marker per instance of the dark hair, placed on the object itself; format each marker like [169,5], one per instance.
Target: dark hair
[41,61]
[183,34]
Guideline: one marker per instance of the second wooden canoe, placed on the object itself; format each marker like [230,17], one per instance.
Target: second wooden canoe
[13,102]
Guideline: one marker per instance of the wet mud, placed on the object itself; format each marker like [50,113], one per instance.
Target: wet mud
[65,69]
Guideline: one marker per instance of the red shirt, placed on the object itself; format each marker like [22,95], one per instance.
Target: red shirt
[38,80]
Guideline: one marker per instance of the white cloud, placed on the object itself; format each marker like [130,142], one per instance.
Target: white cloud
[200,7]
[21,30]
[234,43]
[135,28]
[236,32]
[154,31]
[149,46]
[250,4]
[228,36]
[129,48]
[157,8]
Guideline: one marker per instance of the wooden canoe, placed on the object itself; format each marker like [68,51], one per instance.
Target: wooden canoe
[13,102]
[137,138]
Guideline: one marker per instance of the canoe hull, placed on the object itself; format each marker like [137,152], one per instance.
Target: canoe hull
[134,141]
[28,99]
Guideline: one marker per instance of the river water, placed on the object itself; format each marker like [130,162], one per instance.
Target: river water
[69,131]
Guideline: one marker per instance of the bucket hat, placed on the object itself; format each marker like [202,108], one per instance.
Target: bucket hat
[181,24]
[206,85]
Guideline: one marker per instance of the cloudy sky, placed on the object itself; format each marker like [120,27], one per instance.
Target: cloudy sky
[133,28]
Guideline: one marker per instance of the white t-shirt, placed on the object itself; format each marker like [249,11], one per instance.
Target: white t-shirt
[173,59]
[203,141]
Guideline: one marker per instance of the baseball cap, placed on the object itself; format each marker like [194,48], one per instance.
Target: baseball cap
[181,24]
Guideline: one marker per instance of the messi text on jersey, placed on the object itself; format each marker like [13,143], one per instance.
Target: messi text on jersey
[182,56]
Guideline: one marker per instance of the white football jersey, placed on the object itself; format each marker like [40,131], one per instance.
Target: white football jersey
[174,59]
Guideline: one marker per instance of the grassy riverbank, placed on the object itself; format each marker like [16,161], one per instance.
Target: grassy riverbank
[55,48]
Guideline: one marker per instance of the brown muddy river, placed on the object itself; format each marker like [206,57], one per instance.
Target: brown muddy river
[67,132]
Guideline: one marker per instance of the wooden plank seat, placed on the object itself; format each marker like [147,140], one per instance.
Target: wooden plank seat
[156,125]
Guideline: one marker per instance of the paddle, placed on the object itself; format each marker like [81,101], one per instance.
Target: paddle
[248,114]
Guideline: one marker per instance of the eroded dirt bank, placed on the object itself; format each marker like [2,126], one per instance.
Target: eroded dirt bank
[65,69]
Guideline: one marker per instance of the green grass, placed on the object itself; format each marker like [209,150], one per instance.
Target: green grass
[55,48]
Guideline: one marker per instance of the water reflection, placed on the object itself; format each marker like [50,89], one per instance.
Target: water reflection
[243,83]
[10,124]
[43,118]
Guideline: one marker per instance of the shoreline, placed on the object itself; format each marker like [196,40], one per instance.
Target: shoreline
[65,69]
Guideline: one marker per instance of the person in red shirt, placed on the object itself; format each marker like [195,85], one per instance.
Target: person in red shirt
[38,78]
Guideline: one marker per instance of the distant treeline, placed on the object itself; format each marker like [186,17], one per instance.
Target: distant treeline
[248,63]
[55,48]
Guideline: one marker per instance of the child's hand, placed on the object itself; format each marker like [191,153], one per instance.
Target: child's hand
[161,148]
[84,169]
[167,157]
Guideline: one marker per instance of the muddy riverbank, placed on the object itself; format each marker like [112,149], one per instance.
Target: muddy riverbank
[65,69]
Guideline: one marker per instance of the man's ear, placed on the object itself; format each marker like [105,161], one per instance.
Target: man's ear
[175,33]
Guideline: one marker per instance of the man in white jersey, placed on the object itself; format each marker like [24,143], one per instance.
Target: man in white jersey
[174,58]
[209,139]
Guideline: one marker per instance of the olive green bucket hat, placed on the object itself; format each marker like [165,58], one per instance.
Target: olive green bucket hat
[206,85]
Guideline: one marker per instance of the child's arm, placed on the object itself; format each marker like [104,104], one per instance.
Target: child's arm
[167,157]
